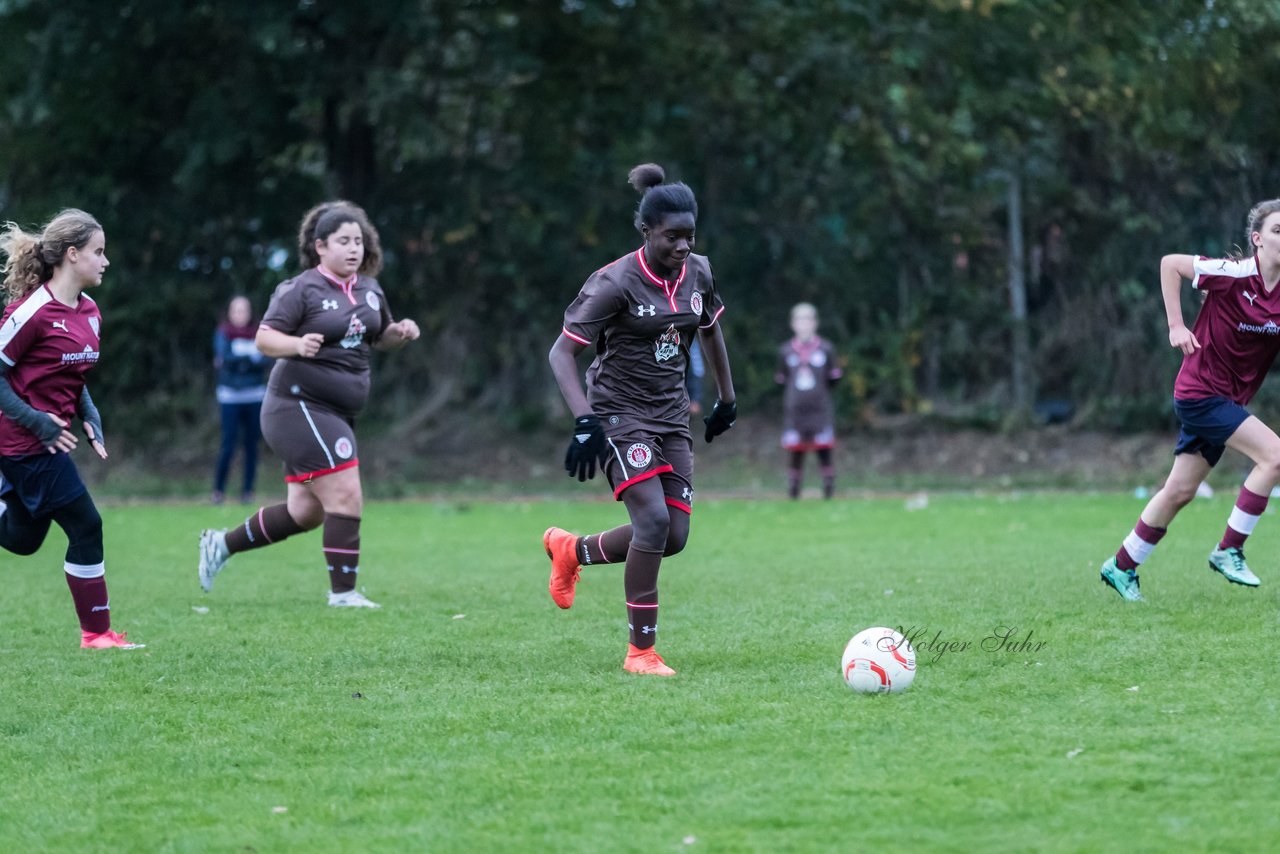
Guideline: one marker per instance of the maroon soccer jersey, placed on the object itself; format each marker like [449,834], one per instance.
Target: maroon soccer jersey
[642,326]
[1237,329]
[350,315]
[49,347]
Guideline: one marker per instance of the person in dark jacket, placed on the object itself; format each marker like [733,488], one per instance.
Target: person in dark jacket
[242,383]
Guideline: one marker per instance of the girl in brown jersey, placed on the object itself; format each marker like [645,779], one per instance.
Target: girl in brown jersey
[640,313]
[48,342]
[319,327]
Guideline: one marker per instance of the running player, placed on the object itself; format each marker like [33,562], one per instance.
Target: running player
[48,343]
[320,326]
[640,313]
[1225,359]
[807,367]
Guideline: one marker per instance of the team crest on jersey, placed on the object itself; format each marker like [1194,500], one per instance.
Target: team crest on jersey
[639,455]
[93,324]
[818,358]
[667,345]
[372,299]
[343,448]
[695,303]
[355,333]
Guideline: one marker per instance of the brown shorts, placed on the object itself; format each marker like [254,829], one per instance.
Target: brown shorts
[311,440]
[634,457]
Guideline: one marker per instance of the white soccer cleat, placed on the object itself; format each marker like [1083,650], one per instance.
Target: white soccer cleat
[351,599]
[213,556]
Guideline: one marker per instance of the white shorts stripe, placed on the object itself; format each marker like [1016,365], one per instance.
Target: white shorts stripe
[315,432]
[618,455]
[1242,521]
[80,570]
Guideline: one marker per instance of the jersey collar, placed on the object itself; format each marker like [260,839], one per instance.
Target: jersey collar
[346,286]
[653,277]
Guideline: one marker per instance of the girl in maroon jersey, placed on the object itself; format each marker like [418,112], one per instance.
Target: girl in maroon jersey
[320,326]
[640,313]
[48,342]
[1226,356]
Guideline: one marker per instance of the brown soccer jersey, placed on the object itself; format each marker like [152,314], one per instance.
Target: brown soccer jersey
[350,315]
[807,369]
[642,326]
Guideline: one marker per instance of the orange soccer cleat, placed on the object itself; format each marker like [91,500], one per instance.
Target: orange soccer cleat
[107,640]
[562,548]
[645,662]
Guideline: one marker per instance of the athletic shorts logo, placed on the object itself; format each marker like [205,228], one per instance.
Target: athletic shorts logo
[614,420]
[372,299]
[343,448]
[687,495]
[695,303]
[639,455]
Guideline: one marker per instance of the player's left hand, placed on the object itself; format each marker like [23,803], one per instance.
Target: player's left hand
[722,417]
[400,333]
[95,441]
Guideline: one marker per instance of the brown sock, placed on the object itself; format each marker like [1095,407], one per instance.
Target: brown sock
[269,525]
[640,582]
[342,550]
[606,547]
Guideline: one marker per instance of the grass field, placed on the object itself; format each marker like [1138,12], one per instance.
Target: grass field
[469,714]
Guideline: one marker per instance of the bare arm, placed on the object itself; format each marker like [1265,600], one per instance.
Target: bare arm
[564,367]
[718,357]
[278,345]
[1173,269]
[397,334]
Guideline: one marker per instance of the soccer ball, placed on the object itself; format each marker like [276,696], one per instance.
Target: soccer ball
[878,660]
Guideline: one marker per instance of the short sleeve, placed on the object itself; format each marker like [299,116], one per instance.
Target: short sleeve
[385,317]
[1220,274]
[596,304]
[16,337]
[712,305]
[286,309]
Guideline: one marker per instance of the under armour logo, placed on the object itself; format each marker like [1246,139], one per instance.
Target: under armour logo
[686,494]
[650,311]
[106,607]
[60,324]
[648,630]
[1250,297]
[351,569]
[329,304]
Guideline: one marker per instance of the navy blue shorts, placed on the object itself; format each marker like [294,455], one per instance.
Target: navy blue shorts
[42,482]
[1207,424]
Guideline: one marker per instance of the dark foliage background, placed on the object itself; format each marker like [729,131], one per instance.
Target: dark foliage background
[855,153]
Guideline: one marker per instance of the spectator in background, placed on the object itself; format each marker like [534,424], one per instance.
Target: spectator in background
[242,383]
[694,376]
[807,367]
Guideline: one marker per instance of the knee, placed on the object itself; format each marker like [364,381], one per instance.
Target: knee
[1180,494]
[650,527]
[1270,465]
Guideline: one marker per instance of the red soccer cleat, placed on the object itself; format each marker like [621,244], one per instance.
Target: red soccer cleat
[107,640]
[645,662]
[562,548]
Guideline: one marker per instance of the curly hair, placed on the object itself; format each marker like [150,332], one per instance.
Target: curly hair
[32,258]
[326,218]
[657,198]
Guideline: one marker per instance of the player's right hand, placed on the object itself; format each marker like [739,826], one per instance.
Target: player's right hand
[309,344]
[65,440]
[1182,338]
[585,448]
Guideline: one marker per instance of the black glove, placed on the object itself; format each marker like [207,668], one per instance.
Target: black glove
[721,418]
[585,448]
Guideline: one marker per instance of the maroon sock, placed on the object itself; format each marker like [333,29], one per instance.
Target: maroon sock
[93,606]
[342,550]
[269,525]
[1244,516]
[1138,545]
[640,581]
[606,547]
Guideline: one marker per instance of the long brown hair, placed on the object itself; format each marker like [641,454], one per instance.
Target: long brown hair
[326,218]
[1257,216]
[32,258]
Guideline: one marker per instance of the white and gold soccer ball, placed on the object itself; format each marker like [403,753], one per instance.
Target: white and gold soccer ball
[877,661]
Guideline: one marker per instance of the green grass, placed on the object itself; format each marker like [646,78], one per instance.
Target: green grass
[273,723]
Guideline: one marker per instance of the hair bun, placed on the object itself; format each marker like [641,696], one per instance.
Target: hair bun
[646,175]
